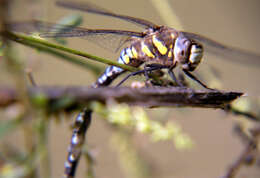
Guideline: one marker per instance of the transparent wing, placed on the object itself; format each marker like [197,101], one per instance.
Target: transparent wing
[226,52]
[108,39]
[91,8]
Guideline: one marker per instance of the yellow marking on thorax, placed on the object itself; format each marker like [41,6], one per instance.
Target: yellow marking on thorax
[159,45]
[147,51]
[126,59]
[170,53]
[134,52]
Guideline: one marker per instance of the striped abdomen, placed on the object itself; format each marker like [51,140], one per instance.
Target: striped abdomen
[127,56]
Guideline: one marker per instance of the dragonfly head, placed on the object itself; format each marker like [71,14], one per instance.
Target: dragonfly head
[188,52]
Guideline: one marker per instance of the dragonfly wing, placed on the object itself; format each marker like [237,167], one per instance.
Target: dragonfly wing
[27,27]
[108,39]
[226,52]
[91,8]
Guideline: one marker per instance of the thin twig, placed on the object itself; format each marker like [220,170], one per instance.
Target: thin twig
[246,114]
[90,161]
[31,41]
[74,60]
[42,135]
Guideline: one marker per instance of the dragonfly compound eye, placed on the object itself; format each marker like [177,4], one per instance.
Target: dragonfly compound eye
[196,53]
[181,49]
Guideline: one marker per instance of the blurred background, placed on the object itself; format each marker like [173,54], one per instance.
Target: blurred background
[233,22]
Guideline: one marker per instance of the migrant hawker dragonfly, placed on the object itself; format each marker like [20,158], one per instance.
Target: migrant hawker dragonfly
[157,47]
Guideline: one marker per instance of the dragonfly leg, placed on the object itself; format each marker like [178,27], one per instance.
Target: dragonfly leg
[172,75]
[195,78]
[149,68]
[130,75]
[81,125]
[144,71]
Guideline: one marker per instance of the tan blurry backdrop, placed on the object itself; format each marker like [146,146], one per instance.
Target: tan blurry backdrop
[233,22]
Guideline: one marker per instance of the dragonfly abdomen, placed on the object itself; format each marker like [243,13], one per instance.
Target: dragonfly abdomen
[128,56]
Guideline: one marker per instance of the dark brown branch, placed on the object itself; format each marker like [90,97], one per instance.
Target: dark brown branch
[148,97]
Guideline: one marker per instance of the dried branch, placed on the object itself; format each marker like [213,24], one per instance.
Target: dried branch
[148,97]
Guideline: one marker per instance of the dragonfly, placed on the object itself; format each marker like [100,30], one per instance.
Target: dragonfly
[157,47]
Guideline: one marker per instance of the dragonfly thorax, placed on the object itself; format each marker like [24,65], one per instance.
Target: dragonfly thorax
[188,53]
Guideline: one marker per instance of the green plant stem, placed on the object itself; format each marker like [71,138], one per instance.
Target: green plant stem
[43,128]
[31,41]
[90,163]
[74,60]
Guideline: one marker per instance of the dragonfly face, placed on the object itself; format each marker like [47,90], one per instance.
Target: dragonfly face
[188,53]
